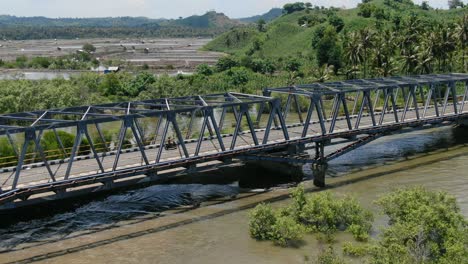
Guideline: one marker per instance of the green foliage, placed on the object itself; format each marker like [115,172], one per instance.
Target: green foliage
[329,256]
[328,50]
[204,69]
[226,63]
[294,7]
[424,227]
[356,250]
[261,25]
[366,10]
[285,231]
[336,22]
[325,213]
[88,47]
[262,221]
[238,76]
[7,152]
[262,66]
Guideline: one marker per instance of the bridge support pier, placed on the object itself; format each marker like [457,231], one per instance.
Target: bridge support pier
[319,169]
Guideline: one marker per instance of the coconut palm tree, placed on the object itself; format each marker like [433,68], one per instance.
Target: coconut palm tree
[383,51]
[367,42]
[461,33]
[353,53]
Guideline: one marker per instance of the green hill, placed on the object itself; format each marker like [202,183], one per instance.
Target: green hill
[268,16]
[209,20]
[292,34]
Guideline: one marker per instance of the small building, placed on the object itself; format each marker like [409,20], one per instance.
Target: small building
[112,69]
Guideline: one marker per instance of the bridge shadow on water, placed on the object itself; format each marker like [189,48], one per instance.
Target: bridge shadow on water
[133,206]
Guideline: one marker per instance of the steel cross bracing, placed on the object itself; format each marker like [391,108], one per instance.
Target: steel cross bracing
[114,141]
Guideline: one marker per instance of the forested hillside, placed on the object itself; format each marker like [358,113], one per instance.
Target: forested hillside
[379,37]
[207,25]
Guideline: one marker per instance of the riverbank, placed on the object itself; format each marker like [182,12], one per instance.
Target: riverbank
[218,232]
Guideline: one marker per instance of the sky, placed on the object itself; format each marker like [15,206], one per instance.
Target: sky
[157,8]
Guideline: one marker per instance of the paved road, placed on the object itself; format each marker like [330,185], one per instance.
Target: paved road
[33,176]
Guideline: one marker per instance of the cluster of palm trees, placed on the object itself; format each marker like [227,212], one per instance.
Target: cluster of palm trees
[411,48]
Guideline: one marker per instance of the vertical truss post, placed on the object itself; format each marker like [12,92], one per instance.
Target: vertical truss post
[323,109]
[407,98]
[189,130]
[202,134]
[370,107]
[377,98]
[163,138]
[465,97]
[12,143]
[335,102]
[180,138]
[156,130]
[446,96]
[308,118]
[123,132]
[435,93]
[427,101]
[221,120]
[394,105]
[282,122]
[210,113]
[237,129]
[298,109]
[133,124]
[319,108]
[266,93]
[356,99]
[74,151]
[37,142]
[385,106]
[101,136]
[346,111]
[415,101]
[335,111]
[273,105]
[29,135]
[453,88]
[250,123]
[84,130]
[287,108]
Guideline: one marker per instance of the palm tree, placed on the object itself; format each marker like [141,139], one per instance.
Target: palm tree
[383,51]
[461,32]
[367,42]
[353,52]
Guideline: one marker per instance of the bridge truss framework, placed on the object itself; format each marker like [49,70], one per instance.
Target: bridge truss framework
[280,118]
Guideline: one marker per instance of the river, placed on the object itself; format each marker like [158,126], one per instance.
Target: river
[149,225]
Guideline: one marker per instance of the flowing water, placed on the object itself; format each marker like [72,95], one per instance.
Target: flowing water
[219,233]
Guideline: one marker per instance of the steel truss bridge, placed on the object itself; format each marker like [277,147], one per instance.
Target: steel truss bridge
[59,153]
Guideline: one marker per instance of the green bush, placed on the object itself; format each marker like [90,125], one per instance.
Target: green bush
[329,256]
[354,250]
[262,220]
[286,231]
[326,213]
[425,227]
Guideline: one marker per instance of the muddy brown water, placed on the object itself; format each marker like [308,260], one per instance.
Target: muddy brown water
[150,226]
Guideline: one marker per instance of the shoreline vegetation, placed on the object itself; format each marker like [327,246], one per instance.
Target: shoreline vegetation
[423,227]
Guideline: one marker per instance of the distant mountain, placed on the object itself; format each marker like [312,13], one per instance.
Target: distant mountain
[209,20]
[207,25]
[6,20]
[269,16]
